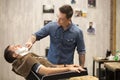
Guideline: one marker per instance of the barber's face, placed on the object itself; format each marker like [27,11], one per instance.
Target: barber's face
[62,20]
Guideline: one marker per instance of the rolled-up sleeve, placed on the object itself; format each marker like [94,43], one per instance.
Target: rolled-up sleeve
[80,43]
[43,32]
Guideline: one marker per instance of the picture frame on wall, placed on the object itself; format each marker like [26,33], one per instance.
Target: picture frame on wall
[92,3]
[47,21]
[78,13]
[91,28]
[84,12]
[48,8]
[73,1]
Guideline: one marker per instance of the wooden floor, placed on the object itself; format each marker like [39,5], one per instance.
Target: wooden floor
[84,78]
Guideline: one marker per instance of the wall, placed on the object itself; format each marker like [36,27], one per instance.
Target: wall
[20,18]
[118,25]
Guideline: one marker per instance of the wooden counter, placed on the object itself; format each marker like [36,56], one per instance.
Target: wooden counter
[84,78]
[112,70]
[113,66]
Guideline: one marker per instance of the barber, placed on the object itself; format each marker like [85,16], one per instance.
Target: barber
[65,37]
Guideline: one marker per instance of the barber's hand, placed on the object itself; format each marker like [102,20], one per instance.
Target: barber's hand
[72,65]
[81,68]
[76,69]
[29,45]
[75,65]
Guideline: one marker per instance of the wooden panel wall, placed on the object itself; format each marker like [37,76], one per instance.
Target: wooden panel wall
[117,25]
[113,26]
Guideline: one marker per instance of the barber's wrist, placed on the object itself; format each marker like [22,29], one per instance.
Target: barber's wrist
[82,65]
[65,65]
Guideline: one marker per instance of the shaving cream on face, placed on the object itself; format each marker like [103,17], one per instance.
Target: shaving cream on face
[21,50]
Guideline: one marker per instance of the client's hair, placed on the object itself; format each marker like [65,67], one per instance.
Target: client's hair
[8,55]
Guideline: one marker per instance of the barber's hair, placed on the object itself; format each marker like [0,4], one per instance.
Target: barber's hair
[8,55]
[66,9]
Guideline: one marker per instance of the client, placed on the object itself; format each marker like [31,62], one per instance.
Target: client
[24,61]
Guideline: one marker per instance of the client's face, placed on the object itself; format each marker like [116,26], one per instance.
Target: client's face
[18,49]
[15,47]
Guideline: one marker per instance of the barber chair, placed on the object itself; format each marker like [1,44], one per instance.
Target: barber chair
[57,76]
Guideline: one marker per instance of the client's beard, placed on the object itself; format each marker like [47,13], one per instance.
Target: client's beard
[21,50]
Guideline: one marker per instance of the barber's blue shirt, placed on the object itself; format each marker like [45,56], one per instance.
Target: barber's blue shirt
[62,42]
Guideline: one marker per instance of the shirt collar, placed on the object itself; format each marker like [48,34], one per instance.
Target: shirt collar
[69,27]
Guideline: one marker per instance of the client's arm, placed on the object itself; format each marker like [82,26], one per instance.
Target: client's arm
[47,70]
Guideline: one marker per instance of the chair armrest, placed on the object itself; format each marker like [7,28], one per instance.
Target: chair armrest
[64,75]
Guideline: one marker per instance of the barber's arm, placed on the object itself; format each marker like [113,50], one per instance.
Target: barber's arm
[47,70]
[31,41]
[82,60]
[67,65]
[81,48]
